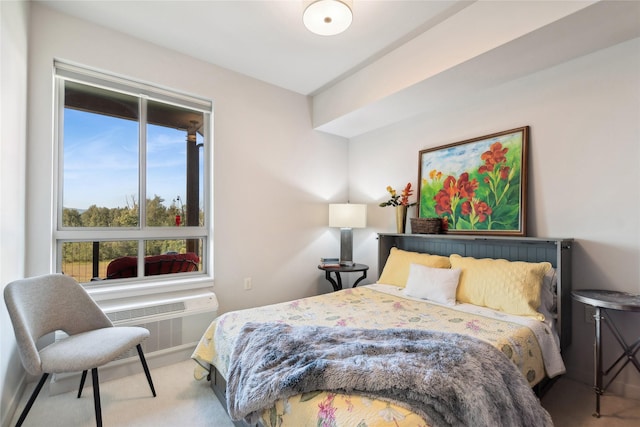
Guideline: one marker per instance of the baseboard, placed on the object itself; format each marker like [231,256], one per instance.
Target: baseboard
[62,383]
[14,401]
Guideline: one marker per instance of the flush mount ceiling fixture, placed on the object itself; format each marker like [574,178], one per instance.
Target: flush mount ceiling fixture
[327,17]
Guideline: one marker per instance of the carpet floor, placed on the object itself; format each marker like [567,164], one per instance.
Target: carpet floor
[182,401]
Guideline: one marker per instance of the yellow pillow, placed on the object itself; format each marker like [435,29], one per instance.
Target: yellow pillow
[396,270]
[509,286]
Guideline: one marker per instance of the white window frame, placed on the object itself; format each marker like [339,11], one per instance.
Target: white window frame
[148,285]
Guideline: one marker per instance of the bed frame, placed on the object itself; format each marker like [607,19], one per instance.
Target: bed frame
[530,249]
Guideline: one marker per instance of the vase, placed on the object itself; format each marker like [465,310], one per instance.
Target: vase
[401,219]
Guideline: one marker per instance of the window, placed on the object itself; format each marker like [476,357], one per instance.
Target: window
[133,196]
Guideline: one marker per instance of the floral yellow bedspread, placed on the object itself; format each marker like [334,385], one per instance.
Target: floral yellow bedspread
[362,307]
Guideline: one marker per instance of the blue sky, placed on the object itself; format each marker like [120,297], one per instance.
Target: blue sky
[101,161]
[459,158]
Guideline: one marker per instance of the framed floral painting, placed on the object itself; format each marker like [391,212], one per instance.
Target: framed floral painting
[477,186]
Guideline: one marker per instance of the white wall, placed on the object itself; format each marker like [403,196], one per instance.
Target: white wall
[273,175]
[583,183]
[13,126]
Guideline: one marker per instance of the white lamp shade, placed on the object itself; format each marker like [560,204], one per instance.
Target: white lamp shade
[327,17]
[347,215]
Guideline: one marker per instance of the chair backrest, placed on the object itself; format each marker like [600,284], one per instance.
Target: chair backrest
[40,305]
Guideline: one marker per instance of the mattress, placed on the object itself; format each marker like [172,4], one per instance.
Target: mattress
[527,342]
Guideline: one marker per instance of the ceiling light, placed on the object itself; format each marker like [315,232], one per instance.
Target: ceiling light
[327,17]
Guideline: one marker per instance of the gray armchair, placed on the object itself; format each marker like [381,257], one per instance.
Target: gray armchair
[44,304]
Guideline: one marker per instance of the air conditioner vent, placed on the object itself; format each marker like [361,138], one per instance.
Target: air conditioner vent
[144,312]
[175,324]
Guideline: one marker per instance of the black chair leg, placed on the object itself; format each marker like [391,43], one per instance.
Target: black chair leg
[146,369]
[84,377]
[32,399]
[96,397]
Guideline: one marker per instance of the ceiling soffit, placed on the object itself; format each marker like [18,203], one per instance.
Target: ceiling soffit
[386,93]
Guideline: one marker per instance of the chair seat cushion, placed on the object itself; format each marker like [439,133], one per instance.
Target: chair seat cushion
[91,349]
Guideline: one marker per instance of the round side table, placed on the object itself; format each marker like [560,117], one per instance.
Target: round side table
[337,283]
[602,301]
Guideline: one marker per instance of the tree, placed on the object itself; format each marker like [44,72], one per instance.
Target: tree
[71,218]
[157,213]
[97,217]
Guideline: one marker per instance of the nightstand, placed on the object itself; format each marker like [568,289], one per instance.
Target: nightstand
[337,283]
[602,301]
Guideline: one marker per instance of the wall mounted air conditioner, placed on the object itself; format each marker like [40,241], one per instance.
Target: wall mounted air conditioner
[176,322]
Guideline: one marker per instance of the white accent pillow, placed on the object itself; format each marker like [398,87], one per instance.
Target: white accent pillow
[434,284]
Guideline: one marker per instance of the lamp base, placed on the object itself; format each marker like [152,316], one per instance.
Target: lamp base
[346,247]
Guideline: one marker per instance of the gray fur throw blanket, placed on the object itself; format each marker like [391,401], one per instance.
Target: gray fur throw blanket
[449,379]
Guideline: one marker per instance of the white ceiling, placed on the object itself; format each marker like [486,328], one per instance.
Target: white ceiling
[266,39]
[397,60]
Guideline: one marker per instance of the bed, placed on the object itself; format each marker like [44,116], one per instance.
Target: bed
[532,342]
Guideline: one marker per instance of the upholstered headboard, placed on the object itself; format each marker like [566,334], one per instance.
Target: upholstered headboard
[529,249]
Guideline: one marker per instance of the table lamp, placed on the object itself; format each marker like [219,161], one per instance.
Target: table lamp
[347,216]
